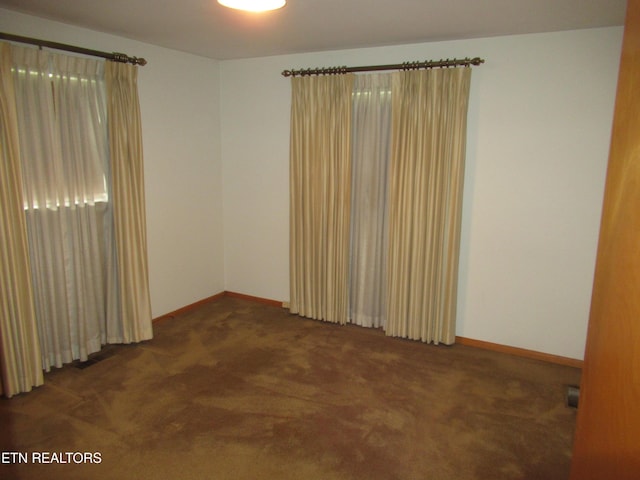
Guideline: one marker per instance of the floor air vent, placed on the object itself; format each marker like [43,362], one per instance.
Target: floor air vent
[95,358]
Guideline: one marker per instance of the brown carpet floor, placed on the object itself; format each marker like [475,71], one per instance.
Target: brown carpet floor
[239,390]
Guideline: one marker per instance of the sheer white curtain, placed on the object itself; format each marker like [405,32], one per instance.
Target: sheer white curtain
[371,134]
[64,150]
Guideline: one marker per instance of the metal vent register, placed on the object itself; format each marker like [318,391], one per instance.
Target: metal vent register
[573,395]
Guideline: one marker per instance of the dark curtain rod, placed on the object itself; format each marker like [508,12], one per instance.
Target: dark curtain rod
[455,62]
[116,57]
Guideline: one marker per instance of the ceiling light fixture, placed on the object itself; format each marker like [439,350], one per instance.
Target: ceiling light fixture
[253,5]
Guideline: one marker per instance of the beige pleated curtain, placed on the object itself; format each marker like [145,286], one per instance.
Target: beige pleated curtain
[20,364]
[426,171]
[425,202]
[320,193]
[127,170]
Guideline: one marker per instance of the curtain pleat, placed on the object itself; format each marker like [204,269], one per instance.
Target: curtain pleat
[20,362]
[425,202]
[127,170]
[320,196]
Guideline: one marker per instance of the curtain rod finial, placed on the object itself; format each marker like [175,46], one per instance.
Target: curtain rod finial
[124,58]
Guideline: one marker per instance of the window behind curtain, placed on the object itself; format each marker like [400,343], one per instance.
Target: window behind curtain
[63,128]
[405,166]
[62,125]
[370,150]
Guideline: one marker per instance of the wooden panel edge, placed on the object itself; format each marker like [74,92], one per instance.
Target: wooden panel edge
[521,352]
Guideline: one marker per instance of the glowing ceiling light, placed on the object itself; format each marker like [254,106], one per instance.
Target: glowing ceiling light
[253,5]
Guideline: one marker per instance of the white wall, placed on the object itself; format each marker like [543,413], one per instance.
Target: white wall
[179,101]
[538,134]
[539,123]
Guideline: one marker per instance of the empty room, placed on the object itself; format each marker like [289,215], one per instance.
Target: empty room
[329,240]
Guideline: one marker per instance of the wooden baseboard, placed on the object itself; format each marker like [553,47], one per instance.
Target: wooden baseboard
[265,301]
[496,347]
[520,352]
[213,298]
[190,307]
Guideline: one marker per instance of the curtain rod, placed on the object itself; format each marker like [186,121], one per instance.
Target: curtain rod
[455,62]
[116,57]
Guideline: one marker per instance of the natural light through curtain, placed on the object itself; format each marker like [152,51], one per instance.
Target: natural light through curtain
[425,202]
[320,196]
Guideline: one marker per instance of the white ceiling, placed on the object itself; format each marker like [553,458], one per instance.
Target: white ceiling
[203,27]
